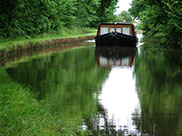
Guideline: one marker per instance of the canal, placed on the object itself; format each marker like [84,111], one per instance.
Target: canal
[108,91]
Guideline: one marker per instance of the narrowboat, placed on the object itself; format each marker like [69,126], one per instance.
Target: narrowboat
[116,34]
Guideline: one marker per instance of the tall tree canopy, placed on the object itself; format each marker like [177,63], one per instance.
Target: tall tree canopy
[27,17]
[160,18]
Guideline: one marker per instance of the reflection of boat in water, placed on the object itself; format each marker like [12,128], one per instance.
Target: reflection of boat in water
[116,34]
[115,56]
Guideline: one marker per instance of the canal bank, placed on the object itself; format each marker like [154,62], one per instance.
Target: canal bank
[20,101]
[20,112]
[11,47]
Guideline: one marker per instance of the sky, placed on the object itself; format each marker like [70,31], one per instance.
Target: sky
[123,5]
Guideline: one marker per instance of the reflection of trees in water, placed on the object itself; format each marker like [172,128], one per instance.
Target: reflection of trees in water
[101,125]
[158,81]
[152,123]
[65,82]
[136,119]
[97,127]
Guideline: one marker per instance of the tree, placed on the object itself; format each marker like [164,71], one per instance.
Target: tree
[124,16]
[161,19]
[106,10]
[32,17]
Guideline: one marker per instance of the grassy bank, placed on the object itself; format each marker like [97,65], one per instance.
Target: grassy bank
[21,114]
[64,33]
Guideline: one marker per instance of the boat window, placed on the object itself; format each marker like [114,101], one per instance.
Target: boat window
[118,29]
[104,30]
[111,61]
[126,30]
[118,62]
[125,61]
[103,61]
[112,29]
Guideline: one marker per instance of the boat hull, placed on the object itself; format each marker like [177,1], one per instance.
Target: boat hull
[116,39]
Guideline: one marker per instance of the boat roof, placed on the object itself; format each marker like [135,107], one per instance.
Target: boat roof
[116,23]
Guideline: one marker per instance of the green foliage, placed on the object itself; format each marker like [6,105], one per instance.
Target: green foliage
[64,32]
[124,16]
[137,7]
[106,10]
[138,26]
[32,17]
[160,18]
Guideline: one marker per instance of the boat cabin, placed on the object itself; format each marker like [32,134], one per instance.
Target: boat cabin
[116,34]
[123,28]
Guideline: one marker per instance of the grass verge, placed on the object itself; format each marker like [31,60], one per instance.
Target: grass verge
[64,33]
[21,114]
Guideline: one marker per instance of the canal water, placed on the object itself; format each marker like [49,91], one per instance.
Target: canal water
[108,91]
